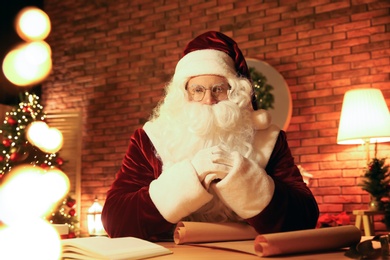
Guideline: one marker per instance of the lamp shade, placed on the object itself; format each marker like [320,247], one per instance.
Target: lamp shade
[364,117]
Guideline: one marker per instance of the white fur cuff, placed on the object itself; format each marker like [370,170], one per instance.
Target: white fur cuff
[178,192]
[247,189]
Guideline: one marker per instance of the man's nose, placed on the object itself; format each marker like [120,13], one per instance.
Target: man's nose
[208,98]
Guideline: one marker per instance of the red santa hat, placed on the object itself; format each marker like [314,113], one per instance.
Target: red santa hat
[212,53]
[215,53]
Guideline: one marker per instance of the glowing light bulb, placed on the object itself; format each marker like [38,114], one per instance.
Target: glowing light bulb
[32,24]
[28,63]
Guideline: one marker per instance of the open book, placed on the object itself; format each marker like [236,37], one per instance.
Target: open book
[99,248]
[242,237]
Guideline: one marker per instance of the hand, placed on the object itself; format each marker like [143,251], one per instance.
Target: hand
[247,189]
[211,163]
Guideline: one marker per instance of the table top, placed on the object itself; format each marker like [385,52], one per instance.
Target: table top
[192,252]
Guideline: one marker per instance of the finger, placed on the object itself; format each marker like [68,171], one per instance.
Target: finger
[223,158]
[221,168]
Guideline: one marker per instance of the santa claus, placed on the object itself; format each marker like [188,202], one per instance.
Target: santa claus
[207,154]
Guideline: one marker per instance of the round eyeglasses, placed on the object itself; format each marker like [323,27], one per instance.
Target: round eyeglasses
[218,92]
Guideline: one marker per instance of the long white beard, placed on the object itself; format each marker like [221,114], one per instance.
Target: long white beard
[196,126]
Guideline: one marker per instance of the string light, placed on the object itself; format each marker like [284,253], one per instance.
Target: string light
[14,143]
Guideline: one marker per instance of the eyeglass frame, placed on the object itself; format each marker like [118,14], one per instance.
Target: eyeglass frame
[216,97]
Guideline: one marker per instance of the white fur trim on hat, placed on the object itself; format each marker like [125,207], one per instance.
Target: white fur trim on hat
[205,62]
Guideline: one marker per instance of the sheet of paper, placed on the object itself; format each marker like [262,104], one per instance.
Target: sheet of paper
[243,238]
[199,232]
[310,240]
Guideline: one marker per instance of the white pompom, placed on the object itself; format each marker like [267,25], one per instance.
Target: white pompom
[261,119]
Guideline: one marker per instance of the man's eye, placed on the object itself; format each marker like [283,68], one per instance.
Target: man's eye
[217,89]
[198,90]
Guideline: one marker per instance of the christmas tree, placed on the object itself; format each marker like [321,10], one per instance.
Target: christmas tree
[264,97]
[65,213]
[376,179]
[15,149]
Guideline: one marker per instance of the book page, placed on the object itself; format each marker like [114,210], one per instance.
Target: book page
[111,248]
[199,232]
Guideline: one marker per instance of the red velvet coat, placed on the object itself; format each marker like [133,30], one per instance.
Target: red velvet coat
[129,210]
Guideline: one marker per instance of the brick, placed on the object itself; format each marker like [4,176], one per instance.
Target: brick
[331,7]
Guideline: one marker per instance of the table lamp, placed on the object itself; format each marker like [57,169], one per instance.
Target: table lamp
[364,118]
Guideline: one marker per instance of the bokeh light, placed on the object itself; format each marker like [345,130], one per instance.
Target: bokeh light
[27,194]
[32,24]
[28,63]
[35,131]
[48,139]
[35,239]
[30,190]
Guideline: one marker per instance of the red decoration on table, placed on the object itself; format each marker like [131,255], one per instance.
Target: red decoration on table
[327,220]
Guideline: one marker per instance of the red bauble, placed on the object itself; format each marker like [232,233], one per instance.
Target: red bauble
[70,203]
[14,157]
[71,235]
[59,161]
[72,212]
[11,121]
[26,109]
[7,142]
[1,158]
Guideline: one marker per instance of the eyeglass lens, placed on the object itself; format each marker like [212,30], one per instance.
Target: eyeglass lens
[218,92]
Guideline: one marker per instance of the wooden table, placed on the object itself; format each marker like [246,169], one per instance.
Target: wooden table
[189,252]
[366,217]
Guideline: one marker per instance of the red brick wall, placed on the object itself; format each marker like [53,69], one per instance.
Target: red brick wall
[112,59]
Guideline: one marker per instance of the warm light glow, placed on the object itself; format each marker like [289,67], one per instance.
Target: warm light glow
[36,239]
[41,191]
[34,132]
[32,24]
[57,185]
[28,63]
[53,141]
[27,194]
[95,226]
[38,52]
[364,117]
[49,140]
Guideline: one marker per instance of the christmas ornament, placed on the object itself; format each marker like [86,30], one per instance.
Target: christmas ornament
[12,121]
[14,157]
[70,202]
[7,142]
[26,109]
[59,161]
